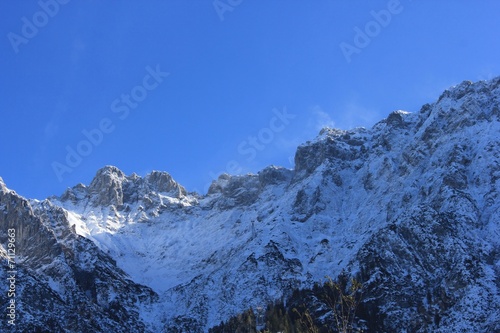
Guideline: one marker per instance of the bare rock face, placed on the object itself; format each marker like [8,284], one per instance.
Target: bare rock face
[235,190]
[274,175]
[64,282]
[410,207]
[430,249]
[162,182]
[335,146]
[106,188]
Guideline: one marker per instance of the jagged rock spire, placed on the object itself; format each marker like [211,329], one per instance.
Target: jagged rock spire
[106,187]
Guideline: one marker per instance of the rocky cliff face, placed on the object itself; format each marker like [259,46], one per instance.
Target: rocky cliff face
[64,283]
[410,207]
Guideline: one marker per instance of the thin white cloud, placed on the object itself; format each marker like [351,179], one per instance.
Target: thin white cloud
[50,132]
[354,114]
[315,119]
[486,74]
[320,118]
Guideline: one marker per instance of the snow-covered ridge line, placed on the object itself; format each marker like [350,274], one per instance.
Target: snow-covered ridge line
[409,206]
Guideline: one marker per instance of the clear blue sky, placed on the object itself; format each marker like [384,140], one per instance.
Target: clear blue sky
[247,81]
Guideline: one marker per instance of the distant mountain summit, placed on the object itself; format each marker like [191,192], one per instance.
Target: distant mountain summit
[111,187]
[410,208]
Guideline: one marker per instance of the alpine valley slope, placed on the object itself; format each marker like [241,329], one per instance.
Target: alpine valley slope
[409,207]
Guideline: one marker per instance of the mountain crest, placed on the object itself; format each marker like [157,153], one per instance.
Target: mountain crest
[408,207]
[112,188]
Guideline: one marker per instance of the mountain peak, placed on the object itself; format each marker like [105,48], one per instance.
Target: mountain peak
[3,187]
[111,187]
[106,187]
[161,181]
[110,170]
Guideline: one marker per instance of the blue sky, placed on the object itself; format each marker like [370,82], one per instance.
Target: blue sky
[200,87]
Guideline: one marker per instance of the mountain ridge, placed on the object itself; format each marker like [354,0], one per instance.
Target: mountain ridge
[409,207]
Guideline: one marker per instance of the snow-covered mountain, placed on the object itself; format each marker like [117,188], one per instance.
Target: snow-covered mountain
[410,207]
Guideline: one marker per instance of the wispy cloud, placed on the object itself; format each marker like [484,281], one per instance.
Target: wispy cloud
[320,118]
[487,73]
[50,131]
[354,114]
[315,119]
